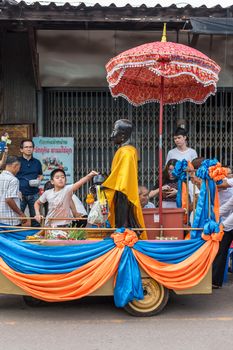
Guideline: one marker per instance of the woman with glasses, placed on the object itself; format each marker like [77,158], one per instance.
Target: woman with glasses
[169,187]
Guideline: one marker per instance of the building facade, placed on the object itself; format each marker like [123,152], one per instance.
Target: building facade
[52,76]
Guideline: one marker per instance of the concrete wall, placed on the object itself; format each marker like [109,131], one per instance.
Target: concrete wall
[78,58]
[18,98]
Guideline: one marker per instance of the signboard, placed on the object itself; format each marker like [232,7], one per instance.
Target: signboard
[55,153]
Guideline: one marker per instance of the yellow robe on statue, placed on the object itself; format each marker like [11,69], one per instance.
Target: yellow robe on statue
[124,178]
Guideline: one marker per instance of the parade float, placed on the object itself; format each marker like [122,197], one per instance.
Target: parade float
[138,273]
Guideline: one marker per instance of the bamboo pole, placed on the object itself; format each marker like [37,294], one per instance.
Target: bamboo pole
[11,231]
[209,199]
[42,217]
[32,240]
[194,199]
[187,196]
[93,229]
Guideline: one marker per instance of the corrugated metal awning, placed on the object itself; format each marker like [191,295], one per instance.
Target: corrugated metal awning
[204,25]
[51,15]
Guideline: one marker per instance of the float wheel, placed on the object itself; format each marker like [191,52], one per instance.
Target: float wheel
[155,299]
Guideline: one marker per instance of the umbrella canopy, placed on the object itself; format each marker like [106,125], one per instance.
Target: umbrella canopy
[189,75]
[163,72]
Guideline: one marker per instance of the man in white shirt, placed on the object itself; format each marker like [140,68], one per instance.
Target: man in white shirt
[225,190]
[226,213]
[181,151]
[9,193]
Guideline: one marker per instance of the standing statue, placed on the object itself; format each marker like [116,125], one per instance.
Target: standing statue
[121,186]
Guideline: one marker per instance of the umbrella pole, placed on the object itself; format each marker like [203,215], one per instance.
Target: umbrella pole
[161,154]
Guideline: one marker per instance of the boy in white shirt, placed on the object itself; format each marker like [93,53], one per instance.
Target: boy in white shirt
[181,151]
[59,198]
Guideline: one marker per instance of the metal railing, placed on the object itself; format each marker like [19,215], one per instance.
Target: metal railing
[88,116]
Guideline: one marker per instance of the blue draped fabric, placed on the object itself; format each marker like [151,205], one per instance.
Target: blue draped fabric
[171,252]
[179,194]
[35,259]
[211,226]
[128,283]
[19,234]
[180,173]
[202,214]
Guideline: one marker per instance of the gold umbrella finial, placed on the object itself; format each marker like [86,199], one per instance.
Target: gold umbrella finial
[164,36]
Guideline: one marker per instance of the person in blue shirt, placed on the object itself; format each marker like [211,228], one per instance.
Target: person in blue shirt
[30,169]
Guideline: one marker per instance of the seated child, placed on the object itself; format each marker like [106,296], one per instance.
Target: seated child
[59,198]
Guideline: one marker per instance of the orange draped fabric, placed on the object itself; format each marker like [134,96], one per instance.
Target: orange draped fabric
[184,196]
[128,238]
[185,274]
[216,205]
[217,173]
[64,287]
[214,236]
[91,276]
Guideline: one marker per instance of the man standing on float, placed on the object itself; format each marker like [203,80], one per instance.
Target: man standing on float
[121,186]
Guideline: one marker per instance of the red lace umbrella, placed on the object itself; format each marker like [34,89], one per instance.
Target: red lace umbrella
[164,72]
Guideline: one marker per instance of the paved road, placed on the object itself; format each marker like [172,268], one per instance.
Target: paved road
[188,322]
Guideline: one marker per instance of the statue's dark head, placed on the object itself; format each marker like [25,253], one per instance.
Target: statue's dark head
[122,131]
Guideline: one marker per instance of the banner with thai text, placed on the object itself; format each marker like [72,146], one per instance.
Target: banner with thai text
[55,153]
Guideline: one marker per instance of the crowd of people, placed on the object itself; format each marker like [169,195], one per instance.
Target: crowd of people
[19,189]
[21,177]
[169,192]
